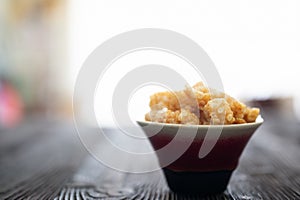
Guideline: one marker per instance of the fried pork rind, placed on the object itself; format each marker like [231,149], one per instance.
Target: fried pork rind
[199,105]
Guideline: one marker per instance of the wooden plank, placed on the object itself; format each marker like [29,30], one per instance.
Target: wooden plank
[50,163]
[260,175]
[39,166]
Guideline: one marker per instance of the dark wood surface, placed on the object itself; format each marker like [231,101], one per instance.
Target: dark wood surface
[44,159]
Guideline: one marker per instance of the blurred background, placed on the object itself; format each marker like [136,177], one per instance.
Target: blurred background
[255,45]
[33,60]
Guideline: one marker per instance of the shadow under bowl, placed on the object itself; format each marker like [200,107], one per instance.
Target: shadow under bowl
[177,148]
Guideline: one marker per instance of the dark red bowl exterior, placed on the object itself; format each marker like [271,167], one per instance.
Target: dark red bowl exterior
[190,173]
[224,155]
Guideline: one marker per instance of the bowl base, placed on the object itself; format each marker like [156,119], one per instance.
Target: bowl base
[202,183]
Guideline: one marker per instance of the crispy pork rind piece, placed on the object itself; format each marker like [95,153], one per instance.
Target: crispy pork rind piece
[218,112]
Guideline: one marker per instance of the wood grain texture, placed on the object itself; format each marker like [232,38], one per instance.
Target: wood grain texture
[44,159]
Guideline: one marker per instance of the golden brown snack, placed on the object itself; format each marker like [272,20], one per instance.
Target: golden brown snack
[199,105]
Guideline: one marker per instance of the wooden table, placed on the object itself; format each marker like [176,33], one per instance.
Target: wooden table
[44,159]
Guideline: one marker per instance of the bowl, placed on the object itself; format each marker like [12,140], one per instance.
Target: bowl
[191,173]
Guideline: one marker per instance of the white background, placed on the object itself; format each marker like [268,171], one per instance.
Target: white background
[255,44]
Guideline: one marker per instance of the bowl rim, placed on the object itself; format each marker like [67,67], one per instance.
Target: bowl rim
[258,122]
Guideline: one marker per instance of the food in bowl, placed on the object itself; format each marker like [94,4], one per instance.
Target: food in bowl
[199,105]
[199,110]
